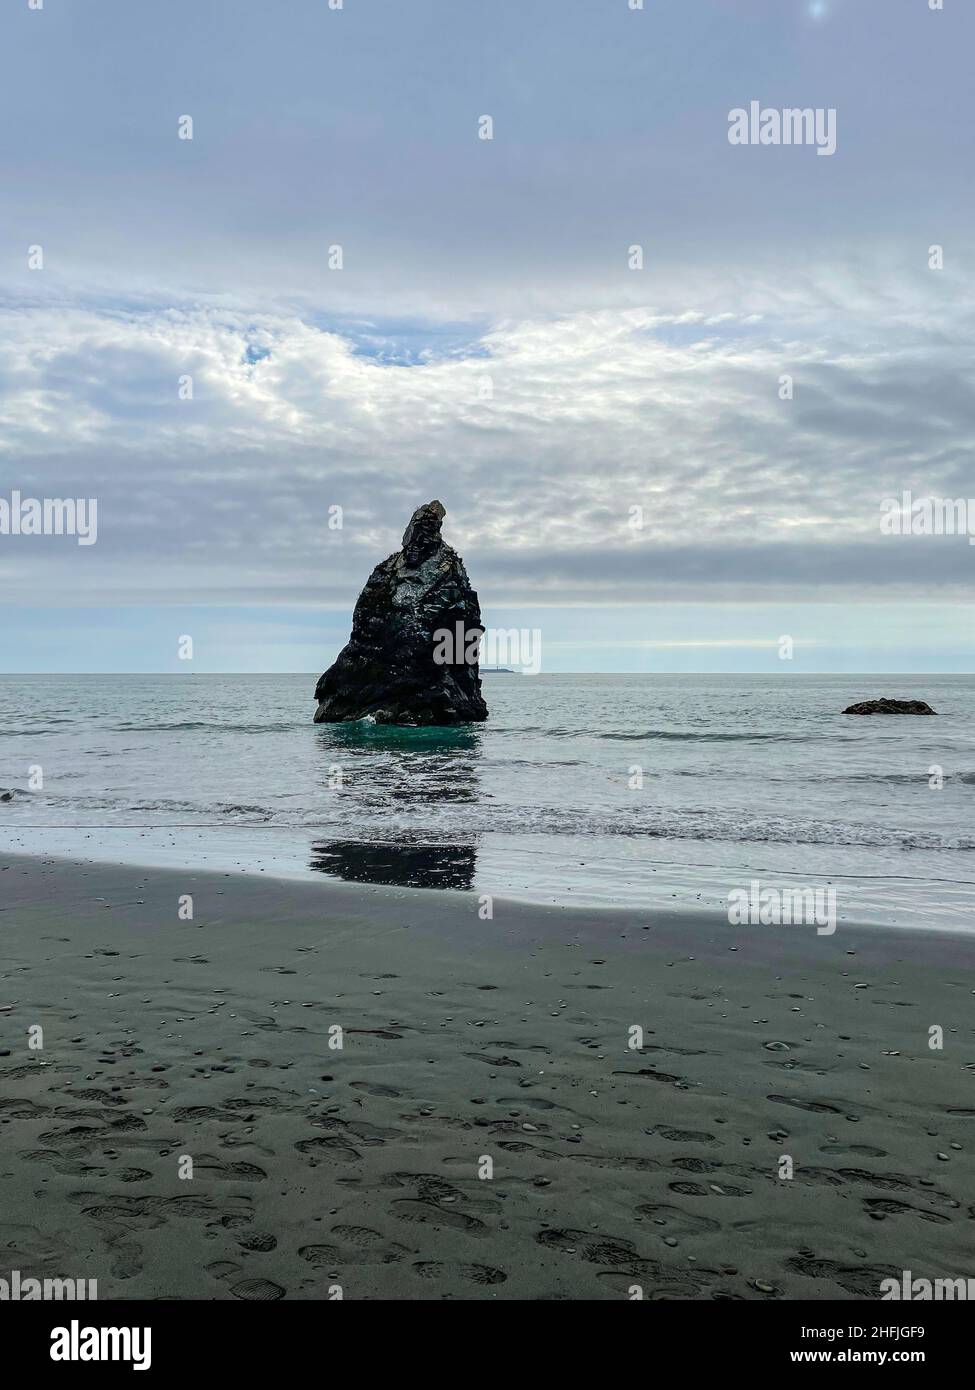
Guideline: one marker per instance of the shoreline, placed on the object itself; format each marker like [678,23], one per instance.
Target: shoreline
[687,887]
[463,1040]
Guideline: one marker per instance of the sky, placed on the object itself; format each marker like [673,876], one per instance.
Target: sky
[336,294]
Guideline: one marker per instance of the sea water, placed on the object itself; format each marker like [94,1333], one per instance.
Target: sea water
[642,791]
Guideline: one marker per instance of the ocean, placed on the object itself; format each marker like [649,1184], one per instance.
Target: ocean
[599,790]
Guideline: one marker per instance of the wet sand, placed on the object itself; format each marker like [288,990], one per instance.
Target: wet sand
[466,1041]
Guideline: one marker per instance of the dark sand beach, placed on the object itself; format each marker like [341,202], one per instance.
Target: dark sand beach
[315,1167]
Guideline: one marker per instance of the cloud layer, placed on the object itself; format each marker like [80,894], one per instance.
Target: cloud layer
[539,434]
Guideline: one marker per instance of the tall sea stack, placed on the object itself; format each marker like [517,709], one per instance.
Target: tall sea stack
[416,623]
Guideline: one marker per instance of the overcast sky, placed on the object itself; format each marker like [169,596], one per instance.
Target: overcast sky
[486,341]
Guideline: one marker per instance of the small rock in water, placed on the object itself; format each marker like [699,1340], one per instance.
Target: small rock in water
[890,707]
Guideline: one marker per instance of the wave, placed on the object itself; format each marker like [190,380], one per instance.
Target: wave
[79,806]
[674,736]
[217,808]
[199,724]
[797,777]
[29,733]
[384,815]
[666,735]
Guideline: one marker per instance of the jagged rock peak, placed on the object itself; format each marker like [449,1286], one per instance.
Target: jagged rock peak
[422,535]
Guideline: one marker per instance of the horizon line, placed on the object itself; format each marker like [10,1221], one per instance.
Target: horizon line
[315,675]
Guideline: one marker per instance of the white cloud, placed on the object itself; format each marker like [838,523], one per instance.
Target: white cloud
[539,435]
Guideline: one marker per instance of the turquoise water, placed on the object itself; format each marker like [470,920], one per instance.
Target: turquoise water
[602,790]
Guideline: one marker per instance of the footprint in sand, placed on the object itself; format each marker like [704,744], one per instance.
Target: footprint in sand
[867,1150]
[503,1061]
[69,1163]
[260,1243]
[22,1110]
[862,1280]
[431,1188]
[534,1103]
[230,1172]
[319,1255]
[675,1221]
[184,1114]
[623,1260]
[425,1213]
[126,1261]
[319,1149]
[714,1189]
[898,1182]
[819,1177]
[475,1274]
[357,1245]
[257,1290]
[818,1107]
[687,1136]
[91,1093]
[648,1074]
[706,1165]
[365,1133]
[118,1216]
[888,1206]
[369,1243]
[506,1126]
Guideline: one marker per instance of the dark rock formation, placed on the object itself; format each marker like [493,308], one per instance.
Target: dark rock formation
[890,707]
[412,656]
